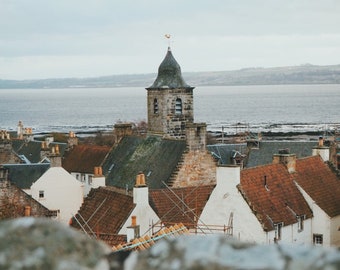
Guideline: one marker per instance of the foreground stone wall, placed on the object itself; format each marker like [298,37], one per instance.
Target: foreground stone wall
[216,252]
[35,243]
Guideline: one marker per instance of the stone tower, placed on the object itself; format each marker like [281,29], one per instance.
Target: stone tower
[169,101]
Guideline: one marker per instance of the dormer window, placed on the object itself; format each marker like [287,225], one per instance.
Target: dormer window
[155,106]
[178,107]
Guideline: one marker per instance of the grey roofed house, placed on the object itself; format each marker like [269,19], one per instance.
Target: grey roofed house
[157,158]
[263,154]
[30,151]
[24,175]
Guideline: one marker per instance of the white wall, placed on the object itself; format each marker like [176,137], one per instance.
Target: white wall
[321,223]
[143,211]
[89,181]
[61,192]
[226,199]
[335,233]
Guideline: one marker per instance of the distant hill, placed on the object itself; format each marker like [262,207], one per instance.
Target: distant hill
[304,74]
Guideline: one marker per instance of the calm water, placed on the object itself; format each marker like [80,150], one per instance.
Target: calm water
[264,108]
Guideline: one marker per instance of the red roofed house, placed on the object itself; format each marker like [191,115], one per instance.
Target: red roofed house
[320,186]
[294,201]
[115,216]
[84,163]
[261,204]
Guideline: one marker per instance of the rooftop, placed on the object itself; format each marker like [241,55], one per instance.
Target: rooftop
[169,75]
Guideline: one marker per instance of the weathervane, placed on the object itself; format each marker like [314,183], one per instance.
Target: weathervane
[168,36]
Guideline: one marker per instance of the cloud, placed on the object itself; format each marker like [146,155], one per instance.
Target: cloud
[45,38]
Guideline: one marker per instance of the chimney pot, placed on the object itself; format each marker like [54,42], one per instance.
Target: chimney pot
[133,221]
[140,180]
[27,211]
[320,141]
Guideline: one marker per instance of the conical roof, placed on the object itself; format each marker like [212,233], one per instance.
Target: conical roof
[169,74]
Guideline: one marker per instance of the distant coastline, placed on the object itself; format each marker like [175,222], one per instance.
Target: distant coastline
[304,74]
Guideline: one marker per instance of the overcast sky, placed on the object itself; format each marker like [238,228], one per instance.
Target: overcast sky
[89,38]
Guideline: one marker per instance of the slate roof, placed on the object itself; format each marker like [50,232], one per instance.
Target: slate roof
[157,158]
[169,75]
[180,205]
[320,182]
[272,195]
[24,175]
[225,152]
[105,210]
[264,154]
[83,158]
[31,149]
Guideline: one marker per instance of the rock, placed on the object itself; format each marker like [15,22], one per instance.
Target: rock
[216,252]
[36,243]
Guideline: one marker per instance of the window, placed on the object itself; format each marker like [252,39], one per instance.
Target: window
[90,179]
[300,220]
[41,194]
[178,107]
[83,177]
[278,231]
[77,176]
[318,239]
[155,106]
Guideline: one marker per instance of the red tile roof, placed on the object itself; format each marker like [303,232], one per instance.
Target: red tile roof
[180,205]
[105,211]
[272,195]
[320,182]
[83,158]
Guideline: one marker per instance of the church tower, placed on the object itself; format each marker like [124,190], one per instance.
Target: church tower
[169,101]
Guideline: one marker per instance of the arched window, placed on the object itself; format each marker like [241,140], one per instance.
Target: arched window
[178,107]
[155,106]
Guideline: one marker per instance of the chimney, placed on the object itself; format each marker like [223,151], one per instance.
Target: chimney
[321,150]
[72,140]
[20,130]
[140,180]
[27,211]
[141,190]
[98,179]
[55,157]
[121,130]
[133,231]
[284,157]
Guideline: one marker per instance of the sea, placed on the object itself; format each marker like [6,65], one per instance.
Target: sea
[231,109]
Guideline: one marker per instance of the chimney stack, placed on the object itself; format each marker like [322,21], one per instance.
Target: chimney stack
[284,157]
[321,150]
[133,231]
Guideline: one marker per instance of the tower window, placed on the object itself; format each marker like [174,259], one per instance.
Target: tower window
[178,107]
[155,106]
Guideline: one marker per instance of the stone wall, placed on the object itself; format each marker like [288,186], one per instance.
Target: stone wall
[164,121]
[197,168]
[13,202]
[221,253]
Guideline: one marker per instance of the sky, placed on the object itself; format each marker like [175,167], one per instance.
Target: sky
[42,39]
